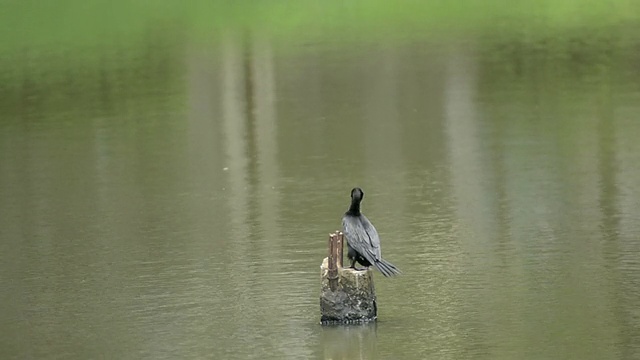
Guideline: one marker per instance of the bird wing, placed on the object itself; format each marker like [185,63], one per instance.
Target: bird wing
[362,236]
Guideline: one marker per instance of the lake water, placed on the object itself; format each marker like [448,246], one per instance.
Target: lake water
[172,198]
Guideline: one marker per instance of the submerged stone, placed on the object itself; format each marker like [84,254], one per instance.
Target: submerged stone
[353,301]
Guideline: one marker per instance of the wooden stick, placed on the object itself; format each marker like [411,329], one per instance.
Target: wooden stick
[335,256]
[340,248]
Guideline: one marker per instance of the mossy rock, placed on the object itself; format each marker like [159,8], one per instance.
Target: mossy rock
[353,301]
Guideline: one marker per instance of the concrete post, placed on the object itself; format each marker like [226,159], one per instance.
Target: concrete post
[347,296]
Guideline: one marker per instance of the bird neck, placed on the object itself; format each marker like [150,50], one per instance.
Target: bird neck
[354,209]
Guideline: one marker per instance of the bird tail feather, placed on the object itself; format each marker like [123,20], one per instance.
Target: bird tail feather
[387,268]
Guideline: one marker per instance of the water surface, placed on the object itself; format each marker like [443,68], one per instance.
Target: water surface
[172,198]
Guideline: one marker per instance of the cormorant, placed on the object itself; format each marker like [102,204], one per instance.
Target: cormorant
[362,238]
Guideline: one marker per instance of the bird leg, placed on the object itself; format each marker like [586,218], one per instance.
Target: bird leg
[353,265]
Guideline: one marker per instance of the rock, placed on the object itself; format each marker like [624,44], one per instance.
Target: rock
[353,301]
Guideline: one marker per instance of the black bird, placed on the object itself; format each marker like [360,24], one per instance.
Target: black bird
[362,238]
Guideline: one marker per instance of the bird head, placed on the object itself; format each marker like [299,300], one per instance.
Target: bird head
[357,194]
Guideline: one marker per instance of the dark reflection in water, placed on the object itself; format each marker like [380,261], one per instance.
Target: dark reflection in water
[168,199]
